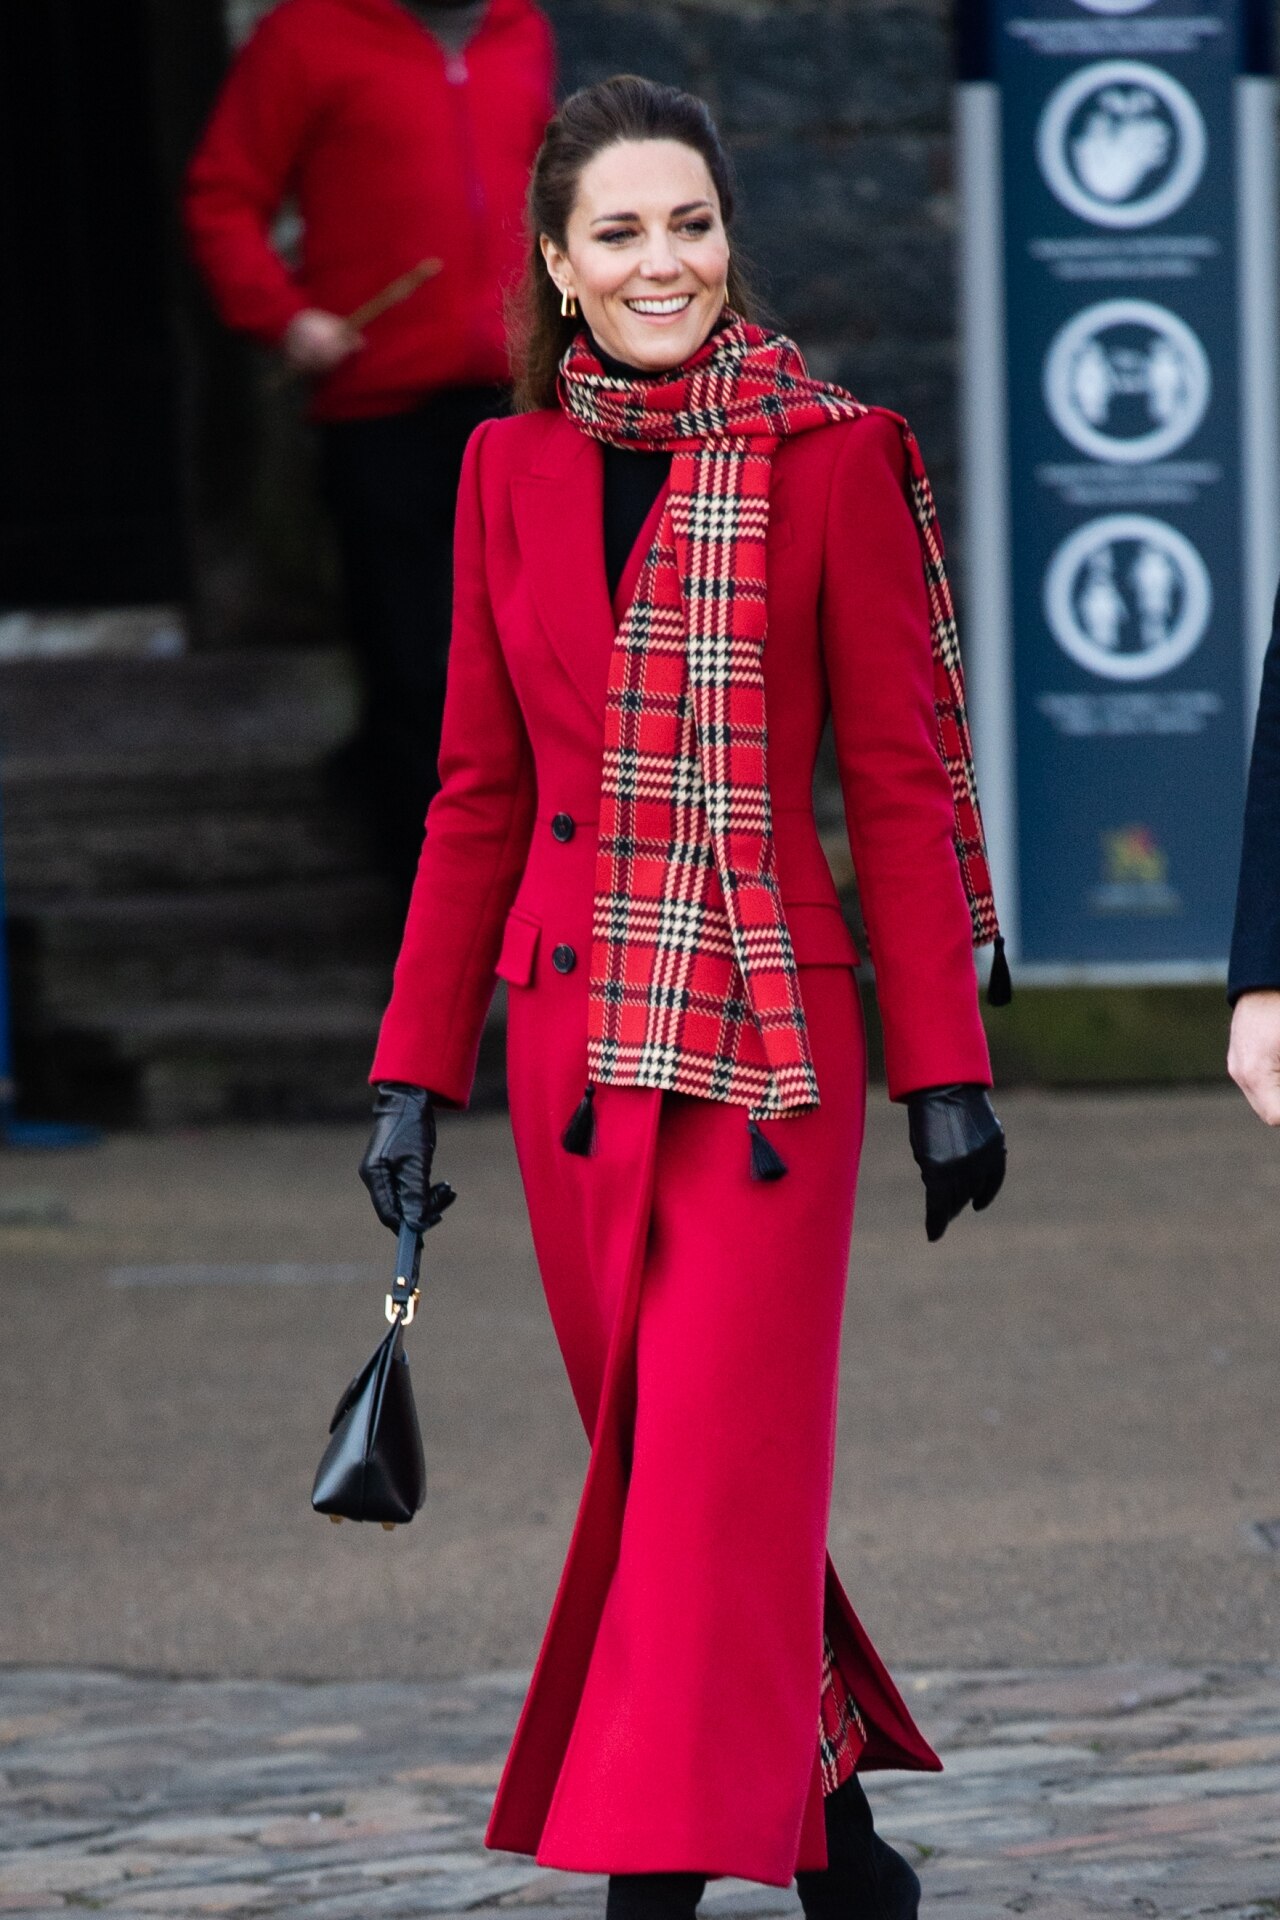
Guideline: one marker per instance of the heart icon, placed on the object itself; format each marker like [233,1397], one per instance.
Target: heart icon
[1123,141]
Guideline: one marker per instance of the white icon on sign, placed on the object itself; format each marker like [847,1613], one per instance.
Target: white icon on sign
[1126,381]
[1121,143]
[1127,597]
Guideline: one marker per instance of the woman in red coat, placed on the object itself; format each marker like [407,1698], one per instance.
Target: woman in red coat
[681,541]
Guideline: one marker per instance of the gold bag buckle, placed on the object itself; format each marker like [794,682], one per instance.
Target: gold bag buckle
[402,1309]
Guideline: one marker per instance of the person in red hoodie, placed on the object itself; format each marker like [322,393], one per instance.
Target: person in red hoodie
[404,133]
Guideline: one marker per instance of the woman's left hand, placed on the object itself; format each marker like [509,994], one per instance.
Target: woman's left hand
[959,1148]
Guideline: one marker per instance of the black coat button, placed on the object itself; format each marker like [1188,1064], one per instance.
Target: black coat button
[562,827]
[564,959]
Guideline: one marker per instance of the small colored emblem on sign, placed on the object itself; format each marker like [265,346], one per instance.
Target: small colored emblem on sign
[1127,597]
[1126,381]
[1135,874]
[1121,143]
[1134,853]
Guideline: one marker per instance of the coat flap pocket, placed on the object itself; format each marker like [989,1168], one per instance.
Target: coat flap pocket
[519,949]
[819,935]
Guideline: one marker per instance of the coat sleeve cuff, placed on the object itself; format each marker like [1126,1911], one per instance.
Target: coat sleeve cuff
[449,1078]
[961,1061]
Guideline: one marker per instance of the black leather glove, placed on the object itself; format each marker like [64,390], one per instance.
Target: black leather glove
[397,1161]
[959,1148]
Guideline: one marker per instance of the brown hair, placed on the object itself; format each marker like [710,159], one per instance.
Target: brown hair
[623,108]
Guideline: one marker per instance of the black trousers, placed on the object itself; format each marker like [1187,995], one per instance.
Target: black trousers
[391,486]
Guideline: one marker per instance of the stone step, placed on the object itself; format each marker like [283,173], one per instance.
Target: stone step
[171,831]
[208,770]
[237,946]
[189,1063]
[192,1063]
[194,931]
[97,717]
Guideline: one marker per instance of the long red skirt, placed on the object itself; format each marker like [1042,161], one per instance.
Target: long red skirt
[672,1722]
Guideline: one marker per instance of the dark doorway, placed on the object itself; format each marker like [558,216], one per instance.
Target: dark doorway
[91,496]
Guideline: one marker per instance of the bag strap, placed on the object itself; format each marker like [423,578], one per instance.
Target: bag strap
[402,1301]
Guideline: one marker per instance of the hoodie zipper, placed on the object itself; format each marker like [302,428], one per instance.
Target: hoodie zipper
[458,75]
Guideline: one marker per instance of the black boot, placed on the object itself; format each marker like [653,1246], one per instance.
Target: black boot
[654,1896]
[864,1878]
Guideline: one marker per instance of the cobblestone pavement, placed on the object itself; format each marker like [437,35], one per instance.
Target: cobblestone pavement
[1139,1790]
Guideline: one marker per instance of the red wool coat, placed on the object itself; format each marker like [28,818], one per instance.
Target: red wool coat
[394,154]
[672,1720]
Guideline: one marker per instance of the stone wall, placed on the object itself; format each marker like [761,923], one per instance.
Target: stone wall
[838,114]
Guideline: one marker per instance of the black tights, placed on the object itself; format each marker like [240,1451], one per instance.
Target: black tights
[654,1896]
[864,1878]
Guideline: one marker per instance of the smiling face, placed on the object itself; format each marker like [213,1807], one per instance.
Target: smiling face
[645,252]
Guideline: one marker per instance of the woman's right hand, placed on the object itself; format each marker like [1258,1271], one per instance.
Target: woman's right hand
[316,342]
[397,1161]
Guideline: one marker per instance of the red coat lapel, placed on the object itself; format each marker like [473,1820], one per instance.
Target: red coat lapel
[558,509]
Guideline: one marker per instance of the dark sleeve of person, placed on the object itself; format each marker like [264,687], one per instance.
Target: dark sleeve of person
[1255,944]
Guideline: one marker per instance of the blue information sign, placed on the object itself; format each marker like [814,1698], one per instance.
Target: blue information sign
[1118,208]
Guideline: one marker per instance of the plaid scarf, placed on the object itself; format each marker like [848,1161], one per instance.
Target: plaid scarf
[693,983]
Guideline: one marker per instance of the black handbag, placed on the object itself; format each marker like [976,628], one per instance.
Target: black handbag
[373,1466]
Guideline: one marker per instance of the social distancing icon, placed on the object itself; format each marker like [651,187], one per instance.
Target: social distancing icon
[1126,381]
[1127,597]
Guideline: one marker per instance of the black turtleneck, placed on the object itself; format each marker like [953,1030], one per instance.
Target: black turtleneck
[632,482]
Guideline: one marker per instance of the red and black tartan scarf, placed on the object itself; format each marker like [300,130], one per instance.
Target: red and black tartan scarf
[693,984]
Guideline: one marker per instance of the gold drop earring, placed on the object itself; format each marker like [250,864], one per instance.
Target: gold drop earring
[568,305]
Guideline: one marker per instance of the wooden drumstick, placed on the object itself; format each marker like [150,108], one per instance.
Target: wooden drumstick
[392,295]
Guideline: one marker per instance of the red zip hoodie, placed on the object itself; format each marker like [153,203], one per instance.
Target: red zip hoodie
[394,152]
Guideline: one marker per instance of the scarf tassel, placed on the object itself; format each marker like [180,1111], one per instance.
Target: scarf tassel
[580,1135]
[766,1162]
[1000,984]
